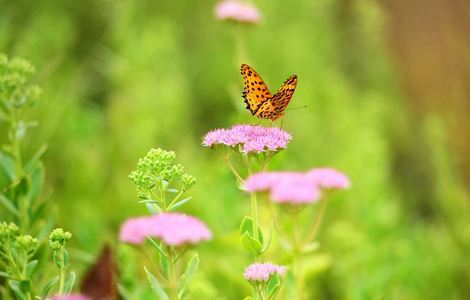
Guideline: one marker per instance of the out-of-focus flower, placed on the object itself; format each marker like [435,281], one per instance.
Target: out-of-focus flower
[250,138]
[329,178]
[284,187]
[261,272]
[174,229]
[70,297]
[135,230]
[237,11]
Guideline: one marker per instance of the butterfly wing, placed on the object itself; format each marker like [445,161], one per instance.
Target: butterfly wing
[274,108]
[255,91]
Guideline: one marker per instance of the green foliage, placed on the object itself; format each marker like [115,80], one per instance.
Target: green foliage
[144,74]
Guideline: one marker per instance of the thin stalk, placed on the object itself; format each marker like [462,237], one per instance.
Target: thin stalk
[172,276]
[62,273]
[297,256]
[316,224]
[254,204]
[232,168]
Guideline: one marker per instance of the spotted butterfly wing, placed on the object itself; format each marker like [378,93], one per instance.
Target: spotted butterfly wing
[255,91]
[274,108]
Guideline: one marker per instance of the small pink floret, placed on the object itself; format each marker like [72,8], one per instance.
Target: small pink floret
[284,187]
[70,297]
[174,229]
[252,139]
[236,11]
[329,178]
[263,271]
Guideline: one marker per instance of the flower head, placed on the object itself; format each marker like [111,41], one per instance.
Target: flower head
[158,168]
[329,178]
[70,297]
[58,238]
[284,187]
[250,138]
[174,229]
[262,272]
[236,11]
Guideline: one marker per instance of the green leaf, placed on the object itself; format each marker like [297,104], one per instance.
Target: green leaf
[37,182]
[266,245]
[153,208]
[4,274]
[148,201]
[8,205]
[15,286]
[172,190]
[30,267]
[57,259]
[179,203]
[7,163]
[274,284]
[157,246]
[247,226]
[156,287]
[248,298]
[48,287]
[69,281]
[25,285]
[66,258]
[31,164]
[191,270]
[164,265]
[251,244]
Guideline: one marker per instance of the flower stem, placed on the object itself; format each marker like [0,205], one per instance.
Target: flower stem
[62,272]
[232,168]
[172,276]
[316,224]
[297,256]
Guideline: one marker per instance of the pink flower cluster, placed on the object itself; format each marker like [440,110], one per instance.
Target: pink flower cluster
[70,297]
[296,187]
[174,229]
[252,139]
[238,11]
[263,271]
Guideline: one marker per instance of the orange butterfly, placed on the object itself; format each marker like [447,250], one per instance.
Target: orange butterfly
[259,100]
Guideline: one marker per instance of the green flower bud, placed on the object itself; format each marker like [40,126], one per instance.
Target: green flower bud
[27,243]
[8,232]
[58,238]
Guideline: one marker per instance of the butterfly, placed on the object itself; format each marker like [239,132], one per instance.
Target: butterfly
[259,100]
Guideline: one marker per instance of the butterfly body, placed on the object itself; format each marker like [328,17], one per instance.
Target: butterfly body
[259,100]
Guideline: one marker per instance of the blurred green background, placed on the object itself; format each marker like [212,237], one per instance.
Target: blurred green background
[387,88]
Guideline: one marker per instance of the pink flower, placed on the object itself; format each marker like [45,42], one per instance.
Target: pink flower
[174,229]
[236,11]
[263,271]
[135,230]
[251,139]
[284,187]
[70,297]
[329,178]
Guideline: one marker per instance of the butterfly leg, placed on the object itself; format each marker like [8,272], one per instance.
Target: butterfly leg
[282,122]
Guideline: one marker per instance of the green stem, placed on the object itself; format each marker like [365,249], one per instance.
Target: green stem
[297,256]
[254,206]
[62,272]
[232,168]
[172,276]
[316,224]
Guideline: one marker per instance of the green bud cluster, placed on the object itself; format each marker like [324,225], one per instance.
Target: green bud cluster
[15,89]
[8,233]
[157,168]
[58,238]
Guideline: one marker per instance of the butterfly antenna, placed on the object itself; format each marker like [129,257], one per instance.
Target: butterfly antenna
[298,107]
